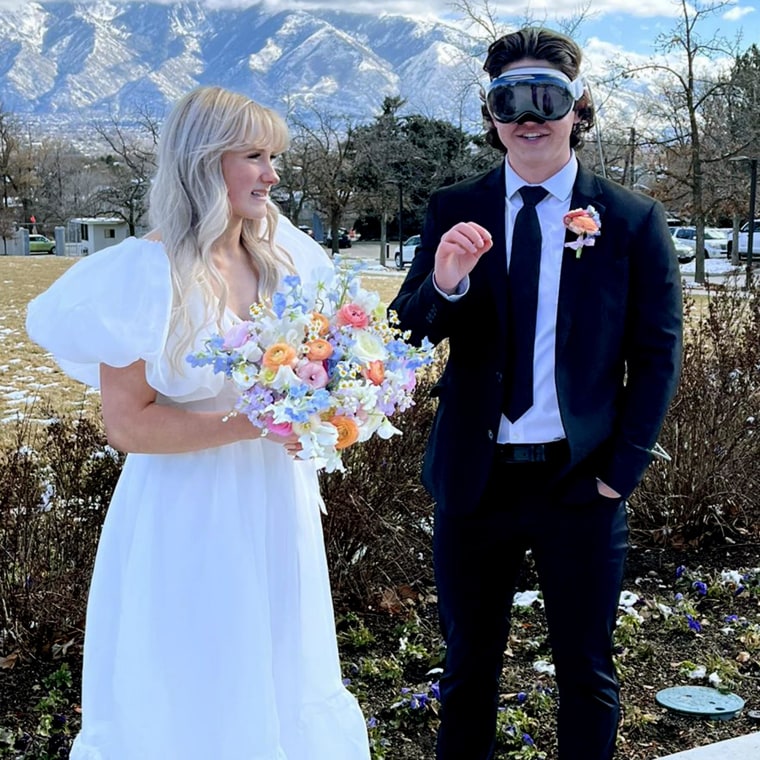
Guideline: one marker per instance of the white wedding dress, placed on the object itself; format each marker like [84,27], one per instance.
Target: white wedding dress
[210,631]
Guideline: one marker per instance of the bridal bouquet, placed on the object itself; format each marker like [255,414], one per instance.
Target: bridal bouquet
[321,361]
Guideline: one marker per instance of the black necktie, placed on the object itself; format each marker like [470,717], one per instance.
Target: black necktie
[524,265]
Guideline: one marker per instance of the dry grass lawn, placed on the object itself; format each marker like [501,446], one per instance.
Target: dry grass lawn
[30,380]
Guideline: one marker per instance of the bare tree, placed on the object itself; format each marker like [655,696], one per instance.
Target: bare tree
[129,164]
[689,80]
[328,151]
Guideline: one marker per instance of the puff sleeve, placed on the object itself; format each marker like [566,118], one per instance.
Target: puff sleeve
[112,307]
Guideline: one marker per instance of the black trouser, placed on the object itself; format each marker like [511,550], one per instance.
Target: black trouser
[579,551]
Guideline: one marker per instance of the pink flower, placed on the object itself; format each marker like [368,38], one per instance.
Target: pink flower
[237,335]
[313,374]
[352,314]
[278,428]
[374,372]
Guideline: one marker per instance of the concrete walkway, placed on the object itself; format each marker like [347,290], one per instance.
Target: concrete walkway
[743,748]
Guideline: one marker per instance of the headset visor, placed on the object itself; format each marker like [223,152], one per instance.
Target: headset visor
[541,94]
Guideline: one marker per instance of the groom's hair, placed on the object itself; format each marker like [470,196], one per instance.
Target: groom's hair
[544,45]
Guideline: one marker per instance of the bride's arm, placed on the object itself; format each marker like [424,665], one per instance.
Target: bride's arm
[135,423]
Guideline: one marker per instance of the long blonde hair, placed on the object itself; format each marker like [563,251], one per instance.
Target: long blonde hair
[189,204]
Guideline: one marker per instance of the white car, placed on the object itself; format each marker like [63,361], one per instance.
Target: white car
[744,241]
[409,248]
[684,253]
[716,241]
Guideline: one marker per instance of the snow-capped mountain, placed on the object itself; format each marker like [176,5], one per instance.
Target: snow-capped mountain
[64,63]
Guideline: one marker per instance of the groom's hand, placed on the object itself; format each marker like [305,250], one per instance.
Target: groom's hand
[458,252]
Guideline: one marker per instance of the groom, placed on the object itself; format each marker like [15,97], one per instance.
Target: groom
[562,363]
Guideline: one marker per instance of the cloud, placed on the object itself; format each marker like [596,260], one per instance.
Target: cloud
[737,13]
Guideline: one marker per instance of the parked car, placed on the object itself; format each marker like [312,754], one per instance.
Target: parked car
[344,241]
[408,251]
[305,228]
[41,244]
[716,242]
[744,241]
[684,253]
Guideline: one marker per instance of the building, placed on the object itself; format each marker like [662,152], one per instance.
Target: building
[86,235]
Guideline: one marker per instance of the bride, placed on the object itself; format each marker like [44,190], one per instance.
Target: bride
[210,631]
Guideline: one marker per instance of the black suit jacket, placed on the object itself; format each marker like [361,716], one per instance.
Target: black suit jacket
[618,344]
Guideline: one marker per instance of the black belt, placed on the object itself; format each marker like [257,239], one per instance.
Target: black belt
[513,453]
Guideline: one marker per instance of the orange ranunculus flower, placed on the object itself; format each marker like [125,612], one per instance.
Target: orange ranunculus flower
[322,321]
[318,350]
[348,431]
[374,372]
[279,354]
[352,314]
[581,222]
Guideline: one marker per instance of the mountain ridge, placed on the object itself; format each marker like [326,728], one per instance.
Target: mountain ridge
[72,62]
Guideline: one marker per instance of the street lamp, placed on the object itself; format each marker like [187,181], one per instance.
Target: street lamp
[400,223]
[400,184]
[751,228]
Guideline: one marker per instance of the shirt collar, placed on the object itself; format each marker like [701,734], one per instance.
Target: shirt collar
[560,185]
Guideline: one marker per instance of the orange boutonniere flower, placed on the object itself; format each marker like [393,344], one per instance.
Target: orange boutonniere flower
[585,223]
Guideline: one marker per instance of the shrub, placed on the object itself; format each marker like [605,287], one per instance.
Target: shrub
[55,483]
[379,520]
[709,490]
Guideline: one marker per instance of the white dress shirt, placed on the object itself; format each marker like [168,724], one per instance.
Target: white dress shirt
[542,422]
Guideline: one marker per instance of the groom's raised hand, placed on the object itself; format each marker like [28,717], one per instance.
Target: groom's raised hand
[458,252]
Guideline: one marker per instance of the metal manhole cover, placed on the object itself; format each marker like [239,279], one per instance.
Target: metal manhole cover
[701,701]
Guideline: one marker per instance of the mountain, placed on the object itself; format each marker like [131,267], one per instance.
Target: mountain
[63,63]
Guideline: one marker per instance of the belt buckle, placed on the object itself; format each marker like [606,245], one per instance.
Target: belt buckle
[528,452]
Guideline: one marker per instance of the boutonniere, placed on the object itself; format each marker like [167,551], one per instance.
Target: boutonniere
[585,223]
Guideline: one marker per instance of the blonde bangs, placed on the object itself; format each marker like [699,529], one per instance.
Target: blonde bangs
[263,128]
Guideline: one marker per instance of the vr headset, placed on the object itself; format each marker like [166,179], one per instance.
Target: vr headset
[542,94]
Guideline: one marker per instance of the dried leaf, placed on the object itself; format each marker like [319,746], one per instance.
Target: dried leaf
[6,663]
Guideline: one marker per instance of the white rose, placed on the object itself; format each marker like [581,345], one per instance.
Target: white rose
[368,347]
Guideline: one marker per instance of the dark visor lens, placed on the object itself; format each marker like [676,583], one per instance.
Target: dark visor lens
[510,101]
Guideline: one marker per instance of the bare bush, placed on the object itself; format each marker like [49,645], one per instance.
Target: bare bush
[55,484]
[709,490]
[379,522]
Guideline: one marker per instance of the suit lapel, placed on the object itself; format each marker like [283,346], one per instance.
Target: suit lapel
[585,193]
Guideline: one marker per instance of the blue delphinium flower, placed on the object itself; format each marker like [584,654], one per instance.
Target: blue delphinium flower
[694,624]
[521,697]
[528,739]
[199,360]
[435,689]
[279,304]
[680,571]
[372,722]
[700,587]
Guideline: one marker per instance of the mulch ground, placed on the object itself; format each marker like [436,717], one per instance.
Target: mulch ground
[39,710]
